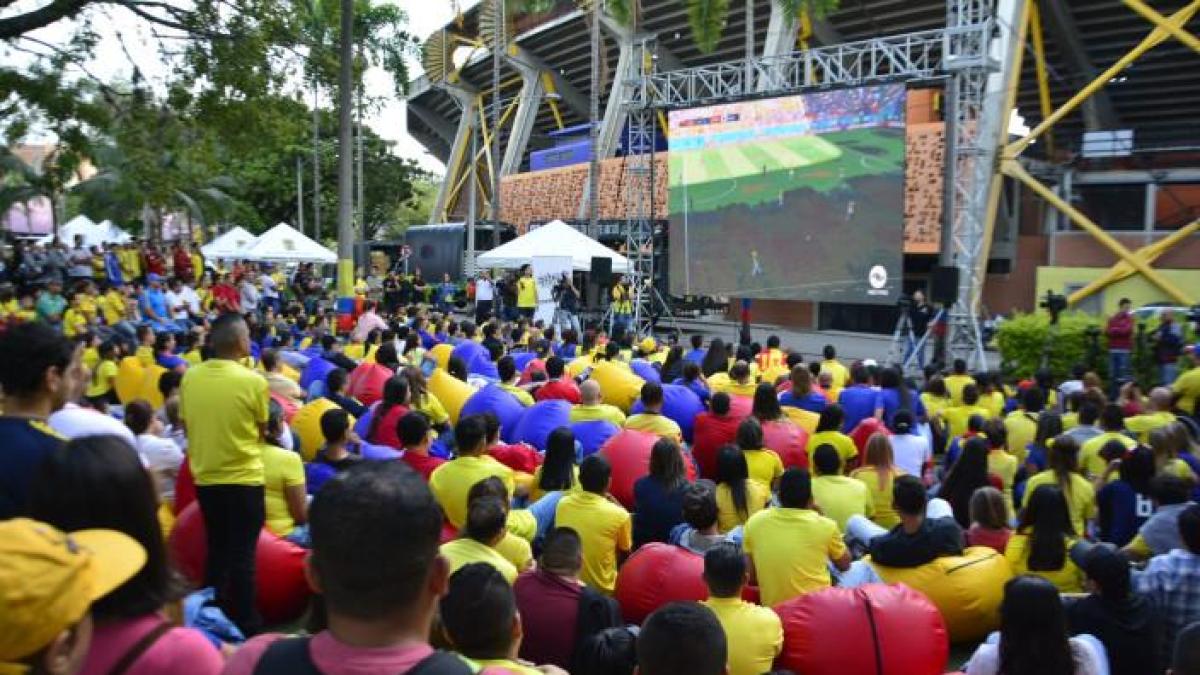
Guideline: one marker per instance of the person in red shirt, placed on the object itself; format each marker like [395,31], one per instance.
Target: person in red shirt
[155,263]
[559,387]
[182,261]
[417,437]
[1119,332]
[712,430]
[225,297]
[385,417]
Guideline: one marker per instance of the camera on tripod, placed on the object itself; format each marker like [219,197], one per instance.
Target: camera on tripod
[1054,303]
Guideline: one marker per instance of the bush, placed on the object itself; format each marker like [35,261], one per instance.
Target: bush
[1023,338]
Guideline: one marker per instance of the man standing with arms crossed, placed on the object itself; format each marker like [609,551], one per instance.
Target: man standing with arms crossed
[224,406]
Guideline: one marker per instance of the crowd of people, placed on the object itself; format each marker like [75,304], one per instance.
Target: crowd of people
[436,547]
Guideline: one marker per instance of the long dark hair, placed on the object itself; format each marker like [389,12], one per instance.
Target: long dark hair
[1047,520]
[666,464]
[766,403]
[831,418]
[1064,461]
[1033,629]
[672,367]
[558,469]
[968,474]
[733,471]
[395,392]
[716,360]
[99,482]
[891,378]
[1049,427]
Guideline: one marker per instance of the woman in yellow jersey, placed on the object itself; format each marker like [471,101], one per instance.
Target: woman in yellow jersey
[1043,540]
[764,465]
[558,471]
[74,320]
[877,473]
[738,497]
[622,305]
[1165,444]
[1064,474]
[101,390]
[145,348]
[423,400]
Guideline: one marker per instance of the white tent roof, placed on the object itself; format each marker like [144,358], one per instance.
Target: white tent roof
[93,234]
[555,238]
[283,243]
[228,245]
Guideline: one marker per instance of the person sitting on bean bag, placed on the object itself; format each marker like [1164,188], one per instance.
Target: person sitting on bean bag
[757,631]
[927,529]
[592,407]
[652,420]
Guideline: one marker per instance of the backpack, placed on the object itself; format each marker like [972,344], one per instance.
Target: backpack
[290,656]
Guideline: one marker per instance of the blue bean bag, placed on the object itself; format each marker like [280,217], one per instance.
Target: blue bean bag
[467,349]
[483,366]
[538,421]
[313,351]
[645,370]
[522,359]
[316,371]
[363,425]
[440,449]
[591,435]
[378,453]
[500,403]
[680,404]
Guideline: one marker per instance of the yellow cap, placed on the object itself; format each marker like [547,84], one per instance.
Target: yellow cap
[49,580]
[649,346]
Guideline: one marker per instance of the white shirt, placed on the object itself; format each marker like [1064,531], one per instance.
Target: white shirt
[185,298]
[268,287]
[1089,654]
[484,290]
[910,452]
[75,421]
[249,297]
[163,458]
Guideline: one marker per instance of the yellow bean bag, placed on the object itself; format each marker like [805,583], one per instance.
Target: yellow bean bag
[576,367]
[718,382]
[804,419]
[149,390]
[441,353]
[618,385]
[450,391]
[967,589]
[306,425]
[129,378]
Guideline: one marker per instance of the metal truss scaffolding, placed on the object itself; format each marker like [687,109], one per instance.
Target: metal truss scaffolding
[959,54]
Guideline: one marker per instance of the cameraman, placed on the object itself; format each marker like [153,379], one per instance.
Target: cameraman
[567,297]
[920,313]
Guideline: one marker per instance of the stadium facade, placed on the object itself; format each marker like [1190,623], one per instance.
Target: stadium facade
[1125,158]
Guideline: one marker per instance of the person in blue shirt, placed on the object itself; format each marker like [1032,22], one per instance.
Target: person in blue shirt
[153,303]
[112,266]
[40,368]
[801,394]
[1125,503]
[696,355]
[335,386]
[692,380]
[894,394]
[859,401]
[164,353]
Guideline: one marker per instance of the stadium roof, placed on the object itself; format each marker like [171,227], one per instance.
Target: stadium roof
[1158,97]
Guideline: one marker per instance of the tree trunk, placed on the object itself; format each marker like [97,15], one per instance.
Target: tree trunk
[345,219]
[316,234]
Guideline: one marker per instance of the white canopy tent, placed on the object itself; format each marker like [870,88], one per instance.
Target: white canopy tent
[228,245]
[555,238]
[283,243]
[93,234]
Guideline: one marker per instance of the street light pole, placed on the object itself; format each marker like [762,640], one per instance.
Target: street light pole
[345,271]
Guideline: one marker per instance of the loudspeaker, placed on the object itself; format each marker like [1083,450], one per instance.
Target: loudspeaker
[943,286]
[601,271]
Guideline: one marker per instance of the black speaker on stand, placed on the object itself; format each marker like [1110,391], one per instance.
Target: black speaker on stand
[943,286]
[598,282]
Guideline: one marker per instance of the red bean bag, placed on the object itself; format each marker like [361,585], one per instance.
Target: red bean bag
[366,382]
[862,432]
[629,454]
[517,456]
[655,575]
[788,441]
[448,533]
[185,488]
[870,630]
[711,433]
[740,406]
[281,590]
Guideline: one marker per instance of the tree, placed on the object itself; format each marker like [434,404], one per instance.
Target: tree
[707,18]
[416,209]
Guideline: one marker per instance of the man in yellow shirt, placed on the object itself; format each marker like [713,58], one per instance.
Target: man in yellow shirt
[1160,415]
[452,481]
[1021,424]
[652,419]
[506,368]
[956,380]
[838,496]
[527,295]
[841,374]
[1112,425]
[1186,387]
[755,632]
[958,415]
[592,407]
[791,547]
[485,527]
[604,527]
[225,406]
[1000,463]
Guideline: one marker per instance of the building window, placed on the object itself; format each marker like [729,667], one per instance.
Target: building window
[1119,208]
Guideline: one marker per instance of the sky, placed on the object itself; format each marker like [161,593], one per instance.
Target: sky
[110,61]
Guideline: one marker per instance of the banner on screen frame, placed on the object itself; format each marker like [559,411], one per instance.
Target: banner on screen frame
[548,270]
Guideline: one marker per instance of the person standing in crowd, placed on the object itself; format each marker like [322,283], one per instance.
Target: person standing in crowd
[920,313]
[181,261]
[1119,331]
[682,637]
[1167,339]
[621,305]
[40,370]
[225,405]
[755,632]
[527,295]
[567,316]
[485,295]
[79,259]
[604,527]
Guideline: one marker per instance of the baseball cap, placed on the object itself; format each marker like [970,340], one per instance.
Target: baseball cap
[648,345]
[1102,562]
[49,580]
